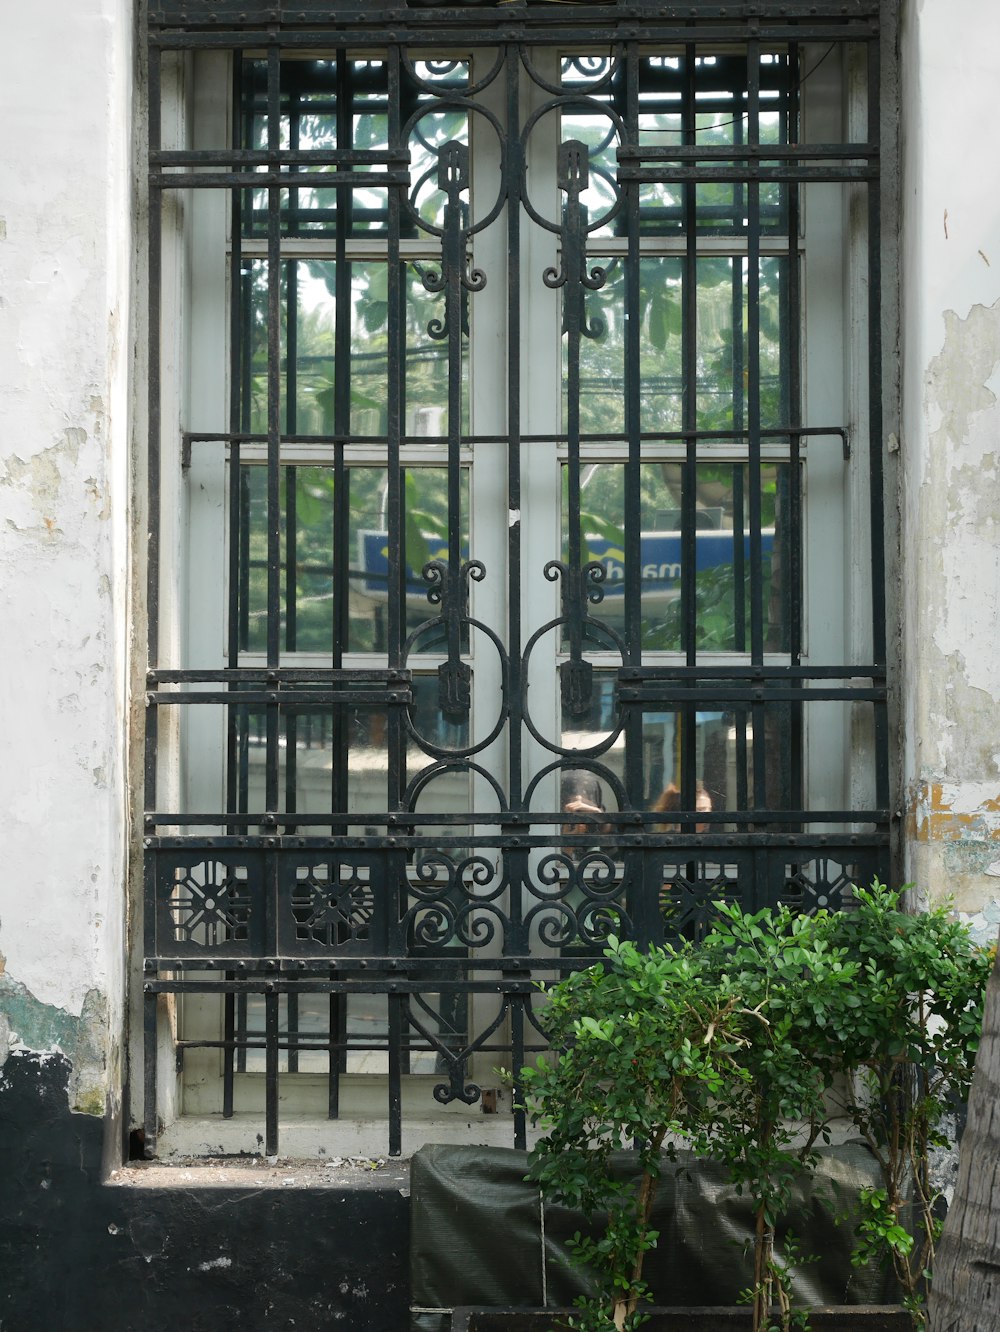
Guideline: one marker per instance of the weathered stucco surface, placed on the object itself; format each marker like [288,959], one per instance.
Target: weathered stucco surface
[27,1024]
[66,241]
[950,284]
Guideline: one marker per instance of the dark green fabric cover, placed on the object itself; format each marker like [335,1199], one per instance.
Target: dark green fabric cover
[476,1234]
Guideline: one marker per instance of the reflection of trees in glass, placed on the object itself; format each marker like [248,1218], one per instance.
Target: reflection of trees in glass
[722,351]
[310,90]
[309,379]
[309,493]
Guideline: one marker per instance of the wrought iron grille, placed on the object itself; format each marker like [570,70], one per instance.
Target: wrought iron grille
[517,643]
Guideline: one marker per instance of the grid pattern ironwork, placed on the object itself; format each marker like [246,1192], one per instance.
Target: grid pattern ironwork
[280,907]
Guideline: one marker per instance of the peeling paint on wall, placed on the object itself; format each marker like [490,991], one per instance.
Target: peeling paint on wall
[957,554]
[984,923]
[27,1024]
[952,595]
[949,810]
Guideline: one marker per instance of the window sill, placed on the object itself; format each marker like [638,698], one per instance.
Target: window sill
[258,1172]
[193,1139]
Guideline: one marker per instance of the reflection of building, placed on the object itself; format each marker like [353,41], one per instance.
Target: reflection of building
[747,423]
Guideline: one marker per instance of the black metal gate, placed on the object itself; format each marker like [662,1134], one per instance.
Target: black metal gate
[434,785]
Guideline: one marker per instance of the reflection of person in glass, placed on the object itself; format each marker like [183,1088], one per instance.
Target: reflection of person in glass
[581,798]
[669,802]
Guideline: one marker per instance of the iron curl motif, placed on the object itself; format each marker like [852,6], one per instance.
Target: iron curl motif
[451,593]
[457,1089]
[581,585]
[455,901]
[573,177]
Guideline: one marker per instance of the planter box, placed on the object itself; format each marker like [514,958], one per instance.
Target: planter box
[843,1318]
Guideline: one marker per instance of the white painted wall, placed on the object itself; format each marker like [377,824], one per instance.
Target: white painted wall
[950,293]
[66,258]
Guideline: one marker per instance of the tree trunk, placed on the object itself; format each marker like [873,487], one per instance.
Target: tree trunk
[965,1295]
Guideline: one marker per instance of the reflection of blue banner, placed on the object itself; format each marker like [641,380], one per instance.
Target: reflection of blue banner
[375,562]
[661,559]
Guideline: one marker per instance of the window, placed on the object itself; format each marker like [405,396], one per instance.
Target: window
[515,498]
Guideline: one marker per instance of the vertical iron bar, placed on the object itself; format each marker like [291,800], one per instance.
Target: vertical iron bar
[790,334]
[573,177]
[229,1051]
[271,1000]
[154,423]
[292,1013]
[876,497]
[149,1113]
[758,710]
[149,1011]
[517,1002]
[273,546]
[689,417]
[633,416]
[243,386]
[515,777]
[291,522]
[739,574]
[394,879]
[342,375]
[237,536]
[338,1052]
[241,1033]
[644,913]
[739,534]
[395,1081]
[394,873]
[273,428]
[739,416]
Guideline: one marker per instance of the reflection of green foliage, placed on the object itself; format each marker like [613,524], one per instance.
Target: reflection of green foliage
[426,363]
[720,367]
[425,526]
[715,600]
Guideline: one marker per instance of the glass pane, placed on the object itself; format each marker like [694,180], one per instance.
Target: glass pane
[721,371]
[722,551]
[307,518]
[330,758]
[716,118]
[715,781]
[325,105]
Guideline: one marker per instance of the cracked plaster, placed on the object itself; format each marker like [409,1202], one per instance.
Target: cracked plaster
[953,800]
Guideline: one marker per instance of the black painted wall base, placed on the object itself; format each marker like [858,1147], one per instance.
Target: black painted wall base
[79,1255]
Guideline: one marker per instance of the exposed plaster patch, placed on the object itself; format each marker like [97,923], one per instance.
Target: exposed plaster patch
[954,594]
[42,476]
[957,377]
[939,811]
[28,1024]
[984,923]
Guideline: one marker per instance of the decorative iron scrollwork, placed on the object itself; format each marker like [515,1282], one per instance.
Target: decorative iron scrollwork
[452,594]
[573,177]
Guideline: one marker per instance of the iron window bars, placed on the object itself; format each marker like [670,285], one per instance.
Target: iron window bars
[679,149]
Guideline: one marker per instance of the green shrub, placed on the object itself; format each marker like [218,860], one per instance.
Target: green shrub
[741,1048]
